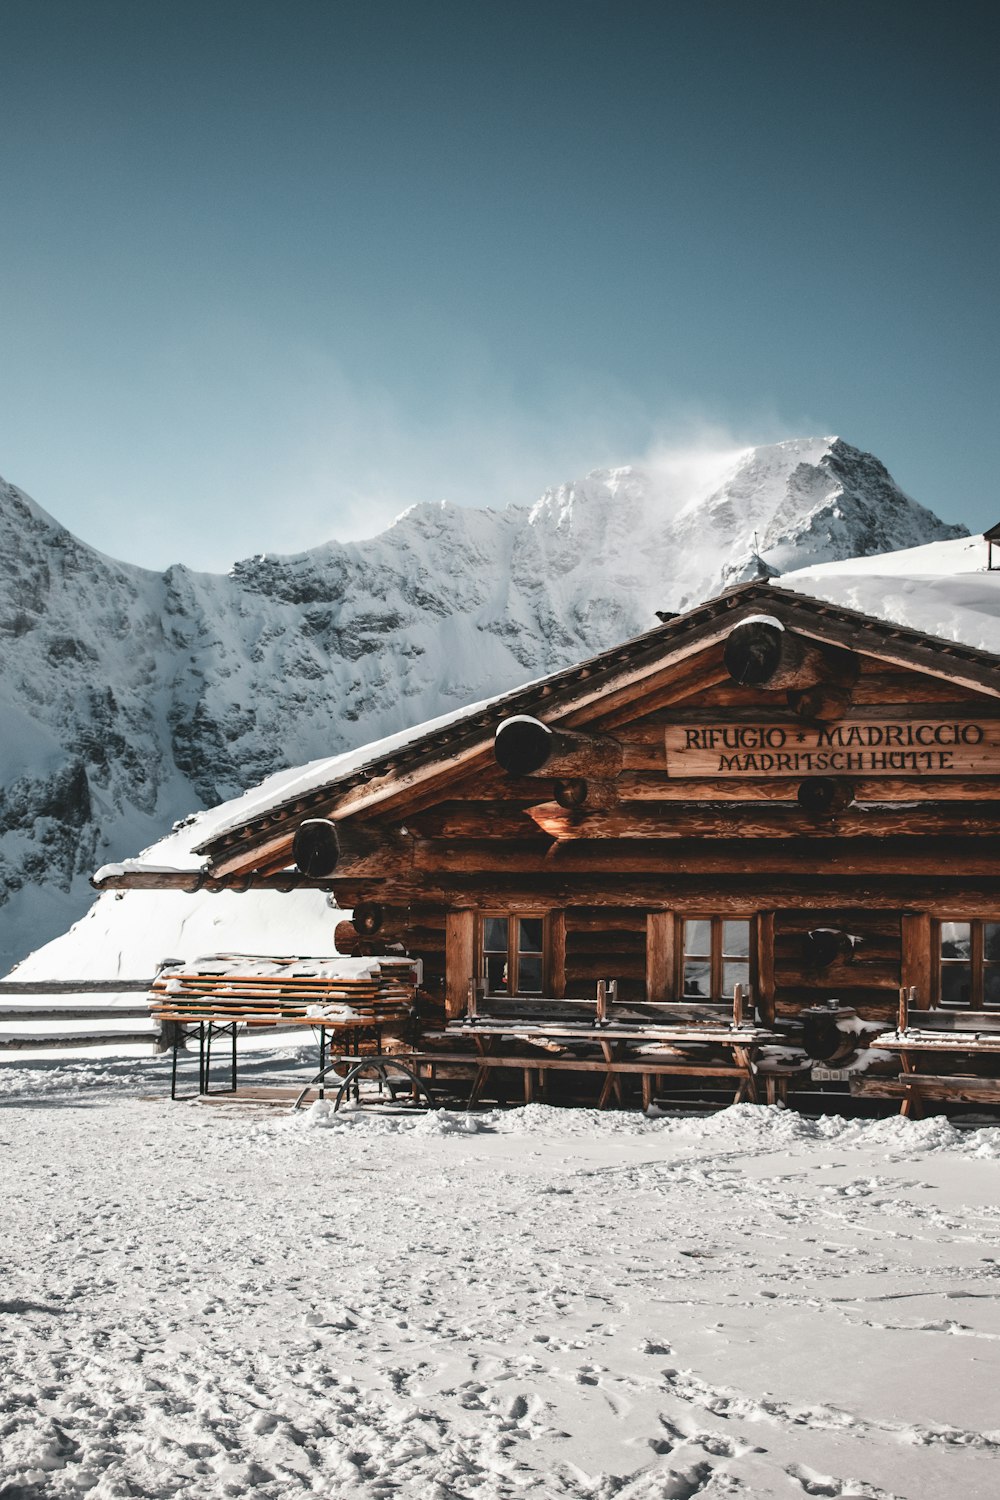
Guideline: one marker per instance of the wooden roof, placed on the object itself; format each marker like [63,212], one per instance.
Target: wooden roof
[597,686]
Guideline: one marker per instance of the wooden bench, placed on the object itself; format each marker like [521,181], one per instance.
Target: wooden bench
[930,1045]
[604,1009]
[607,1037]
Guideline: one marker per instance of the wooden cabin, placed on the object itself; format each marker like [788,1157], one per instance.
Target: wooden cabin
[768,790]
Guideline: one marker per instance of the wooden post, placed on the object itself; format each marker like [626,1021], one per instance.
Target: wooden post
[571,793]
[368,918]
[738,1005]
[904,1001]
[915,966]
[660,962]
[557,953]
[373,919]
[763,969]
[472,1009]
[602,1002]
[316,847]
[460,959]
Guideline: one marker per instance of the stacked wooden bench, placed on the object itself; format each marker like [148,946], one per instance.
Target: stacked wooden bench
[226,994]
[607,1037]
[939,1052]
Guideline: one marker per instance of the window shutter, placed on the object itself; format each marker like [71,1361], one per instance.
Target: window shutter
[460,960]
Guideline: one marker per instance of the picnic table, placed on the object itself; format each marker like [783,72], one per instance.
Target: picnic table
[612,1039]
[343,1001]
[938,1049]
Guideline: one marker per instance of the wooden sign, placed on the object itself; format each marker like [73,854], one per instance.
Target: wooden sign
[867,747]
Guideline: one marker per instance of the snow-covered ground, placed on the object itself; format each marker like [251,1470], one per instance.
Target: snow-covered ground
[204,1301]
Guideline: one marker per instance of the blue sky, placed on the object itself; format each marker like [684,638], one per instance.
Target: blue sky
[273,271]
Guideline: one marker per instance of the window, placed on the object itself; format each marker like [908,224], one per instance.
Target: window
[512,955]
[969,964]
[715,957]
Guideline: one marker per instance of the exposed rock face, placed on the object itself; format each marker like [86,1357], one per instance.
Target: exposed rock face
[130,697]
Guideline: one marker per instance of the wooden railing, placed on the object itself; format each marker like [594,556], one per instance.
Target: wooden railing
[28,1041]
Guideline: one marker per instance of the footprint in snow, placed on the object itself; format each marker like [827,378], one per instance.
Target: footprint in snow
[814,1483]
[681,1431]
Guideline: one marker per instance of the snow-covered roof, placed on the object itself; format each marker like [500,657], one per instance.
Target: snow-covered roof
[942,591]
[176,851]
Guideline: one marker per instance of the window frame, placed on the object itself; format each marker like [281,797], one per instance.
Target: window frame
[513,918]
[978,963]
[716,956]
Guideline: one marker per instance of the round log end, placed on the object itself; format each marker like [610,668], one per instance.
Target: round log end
[825,796]
[346,940]
[571,792]
[316,847]
[521,745]
[823,704]
[753,652]
[368,919]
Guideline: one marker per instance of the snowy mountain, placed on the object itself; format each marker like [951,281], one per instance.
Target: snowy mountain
[131,697]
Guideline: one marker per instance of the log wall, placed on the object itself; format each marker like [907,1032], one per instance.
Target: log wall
[605,944]
[869,980]
[909,848]
[612,943]
[424,938]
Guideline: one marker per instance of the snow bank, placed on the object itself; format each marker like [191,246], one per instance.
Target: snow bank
[742,1129]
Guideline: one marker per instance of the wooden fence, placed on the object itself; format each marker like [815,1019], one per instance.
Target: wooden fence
[52,988]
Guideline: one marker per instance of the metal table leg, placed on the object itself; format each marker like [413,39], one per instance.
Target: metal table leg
[380,1065]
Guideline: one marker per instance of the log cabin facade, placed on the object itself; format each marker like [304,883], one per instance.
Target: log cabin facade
[768,790]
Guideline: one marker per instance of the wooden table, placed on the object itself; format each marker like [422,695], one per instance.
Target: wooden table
[615,1044]
[912,1086]
[205,1023]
